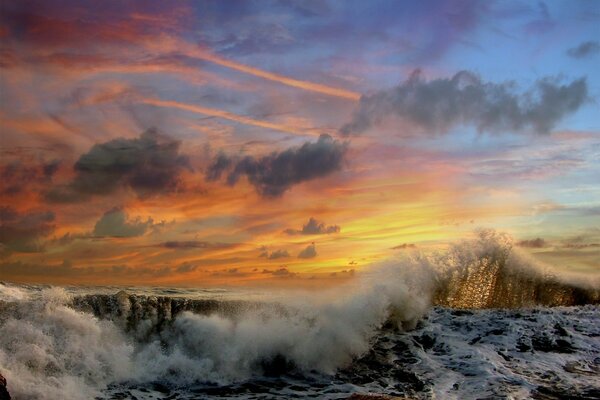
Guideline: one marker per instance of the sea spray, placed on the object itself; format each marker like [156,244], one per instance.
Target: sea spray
[48,350]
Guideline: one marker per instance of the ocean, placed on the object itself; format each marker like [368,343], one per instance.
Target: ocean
[479,321]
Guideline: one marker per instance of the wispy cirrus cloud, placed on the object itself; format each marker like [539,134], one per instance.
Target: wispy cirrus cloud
[228,116]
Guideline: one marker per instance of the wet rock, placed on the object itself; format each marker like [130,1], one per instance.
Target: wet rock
[4,395]
[563,346]
[461,312]
[547,345]
[409,378]
[559,330]
[475,340]
[425,340]
[276,366]
[357,396]
[159,387]
[523,347]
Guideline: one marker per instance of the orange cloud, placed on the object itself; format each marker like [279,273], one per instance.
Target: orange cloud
[300,84]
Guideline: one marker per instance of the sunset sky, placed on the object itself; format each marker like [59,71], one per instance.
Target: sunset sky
[284,142]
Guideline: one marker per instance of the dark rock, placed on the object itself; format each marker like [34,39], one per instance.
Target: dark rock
[357,396]
[159,387]
[475,340]
[4,395]
[547,345]
[563,346]
[542,343]
[459,312]
[505,356]
[425,340]
[559,330]
[410,378]
[276,366]
[522,347]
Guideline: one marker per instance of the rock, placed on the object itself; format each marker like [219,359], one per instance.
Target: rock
[357,396]
[276,366]
[426,341]
[546,344]
[559,330]
[4,395]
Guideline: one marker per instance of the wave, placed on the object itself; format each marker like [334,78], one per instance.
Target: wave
[56,345]
[489,272]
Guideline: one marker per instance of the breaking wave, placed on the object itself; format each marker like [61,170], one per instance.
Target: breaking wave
[56,345]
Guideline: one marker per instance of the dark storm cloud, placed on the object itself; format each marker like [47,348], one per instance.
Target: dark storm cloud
[13,175]
[149,165]
[314,227]
[440,104]
[220,164]
[23,232]
[115,223]
[275,173]
[536,243]
[585,49]
[309,252]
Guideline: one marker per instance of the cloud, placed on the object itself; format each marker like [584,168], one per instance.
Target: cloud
[150,164]
[273,255]
[229,272]
[220,164]
[309,252]
[579,246]
[115,223]
[273,174]
[194,244]
[14,174]
[282,272]
[405,246]
[67,269]
[314,227]
[278,254]
[73,23]
[438,105]
[536,243]
[585,49]
[23,232]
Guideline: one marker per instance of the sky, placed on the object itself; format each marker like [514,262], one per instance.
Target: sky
[216,143]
